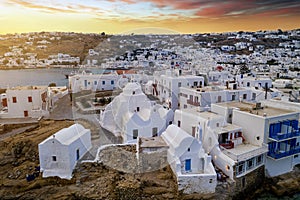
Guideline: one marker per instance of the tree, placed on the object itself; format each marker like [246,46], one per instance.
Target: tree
[52,85]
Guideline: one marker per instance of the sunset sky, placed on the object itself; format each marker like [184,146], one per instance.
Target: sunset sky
[138,16]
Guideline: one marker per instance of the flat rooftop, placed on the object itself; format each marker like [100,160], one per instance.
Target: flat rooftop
[203,114]
[245,151]
[152,142]
[215,88]
[251,108]
[227,128]
[28,88]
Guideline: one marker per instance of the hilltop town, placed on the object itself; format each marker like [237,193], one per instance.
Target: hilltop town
[203,116]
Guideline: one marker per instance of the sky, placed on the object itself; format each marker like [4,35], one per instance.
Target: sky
[148,16]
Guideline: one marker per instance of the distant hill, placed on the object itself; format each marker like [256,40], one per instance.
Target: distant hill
[74,44]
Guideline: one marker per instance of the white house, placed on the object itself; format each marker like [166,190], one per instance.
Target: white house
[131,114]
[203,97]
[59,153]
[93,82]
[26,101]
[237,157]
[190,164]
[276,127]
[167,83]
[248,81]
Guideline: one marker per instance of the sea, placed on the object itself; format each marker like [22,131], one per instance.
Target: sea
[41,77]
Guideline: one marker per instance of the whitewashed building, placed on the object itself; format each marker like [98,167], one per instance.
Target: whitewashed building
[26,101]
[190,164]
[59,153]
[204,97]
[167,83]
[225,142]
[248,81]
[276,127]
[93,82]
[131,114]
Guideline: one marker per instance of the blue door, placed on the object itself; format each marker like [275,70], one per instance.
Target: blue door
[85,83]
[188,165]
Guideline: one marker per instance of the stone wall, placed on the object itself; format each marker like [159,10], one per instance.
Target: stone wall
[125,158]
[249,183]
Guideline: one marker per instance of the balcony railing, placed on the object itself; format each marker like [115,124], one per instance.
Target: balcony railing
[193,103]
[283,154]
[282,136]
[228,145]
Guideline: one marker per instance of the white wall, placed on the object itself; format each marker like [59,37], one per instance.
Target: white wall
[92,82]
[66,156]
[61,167]
[278,166]
[34,108]
[253,126]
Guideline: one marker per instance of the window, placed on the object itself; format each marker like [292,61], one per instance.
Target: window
[103,82]
[170,122]
[29,99]
[244,96]
[135,133]
[259,159]
[77,154]
[257,138]
[188,149]
[95,82]
[253,96]
[248,84]
[14,99]
[179,123]
[112,82]
[193,131]
[250,163]
[179,84]
[218,125]
[137,109]
[154,132]
[240,168]
[133,92]
[296,156]
[233,97]
[54,158]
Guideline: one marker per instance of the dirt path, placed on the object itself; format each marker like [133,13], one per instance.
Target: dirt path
[17,131]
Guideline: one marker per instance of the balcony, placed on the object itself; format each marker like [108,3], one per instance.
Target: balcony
[283,136]
[228,145]
[244,151]
[191,102]
[282,154]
